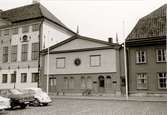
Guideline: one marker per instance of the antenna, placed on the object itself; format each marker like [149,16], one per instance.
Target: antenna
[77,29]
[116,38]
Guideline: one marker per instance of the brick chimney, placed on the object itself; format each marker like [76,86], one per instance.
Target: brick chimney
[110,40]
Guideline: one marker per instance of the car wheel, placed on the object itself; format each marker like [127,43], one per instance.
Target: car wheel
[12,105]
[45,104]
[23,106]
[36,103]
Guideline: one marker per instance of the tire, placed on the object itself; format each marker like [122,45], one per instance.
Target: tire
[23,106]
[12,106]
[45,104]
[36,103]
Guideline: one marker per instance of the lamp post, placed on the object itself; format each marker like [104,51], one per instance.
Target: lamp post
[126,75]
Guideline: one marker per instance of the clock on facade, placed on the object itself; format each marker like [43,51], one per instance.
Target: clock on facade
[77,61]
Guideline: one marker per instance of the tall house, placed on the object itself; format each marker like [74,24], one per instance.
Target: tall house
[24,31]
[147,55]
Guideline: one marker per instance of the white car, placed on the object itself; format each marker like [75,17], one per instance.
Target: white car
[41,98]
[4,103]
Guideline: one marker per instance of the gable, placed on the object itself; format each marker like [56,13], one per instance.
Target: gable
[79,44]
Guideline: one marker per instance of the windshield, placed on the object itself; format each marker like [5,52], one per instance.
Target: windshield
[15,91]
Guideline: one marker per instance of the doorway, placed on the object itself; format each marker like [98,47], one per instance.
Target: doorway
[101,84]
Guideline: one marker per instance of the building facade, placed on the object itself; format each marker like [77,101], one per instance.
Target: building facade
[24,31]
[80,63]
[147,55]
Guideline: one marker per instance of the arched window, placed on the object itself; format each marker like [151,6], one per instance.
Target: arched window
[65,82]
[89,82]
[108,82]
[71,84]
[83,84]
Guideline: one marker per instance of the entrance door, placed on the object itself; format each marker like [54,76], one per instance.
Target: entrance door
[101,84]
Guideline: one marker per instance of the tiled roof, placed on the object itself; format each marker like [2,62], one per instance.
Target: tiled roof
[152,25]
[29,12]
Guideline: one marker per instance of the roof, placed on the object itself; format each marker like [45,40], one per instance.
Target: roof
[29,12]
[151,25]
[113,45]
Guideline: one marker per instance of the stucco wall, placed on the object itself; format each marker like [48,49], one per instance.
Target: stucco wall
[52,34]
[151,68]
[108,62]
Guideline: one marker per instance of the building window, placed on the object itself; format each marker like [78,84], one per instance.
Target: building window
[66,82]
[35,77]
[35,51]
[52,81]
[25,29]
[60,62]
[108,82]
[141,81]
[140,56]
[89,82]
[161,55]
[13,78]
[35,27]
[6,32]
[5,54]
[71,83]
[23,77]
[95,60]
[15,31]
[14,53]
[4,78]
[162,80]
[83,83]
[24,52]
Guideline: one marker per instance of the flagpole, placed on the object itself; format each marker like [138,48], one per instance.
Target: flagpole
[125,63]
[47,79]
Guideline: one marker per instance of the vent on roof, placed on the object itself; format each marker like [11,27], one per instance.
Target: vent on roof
[110,40]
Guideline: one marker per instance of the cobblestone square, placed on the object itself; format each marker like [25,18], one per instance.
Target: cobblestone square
[94,107]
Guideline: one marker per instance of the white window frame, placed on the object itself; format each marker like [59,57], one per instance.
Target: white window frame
[139,83]
[96,64]
[57,62]
[139,55]
[164,76]
[163,55]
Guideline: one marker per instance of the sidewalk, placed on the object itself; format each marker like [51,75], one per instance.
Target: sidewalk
[112,98]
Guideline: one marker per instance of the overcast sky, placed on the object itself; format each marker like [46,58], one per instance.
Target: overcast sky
[99,19]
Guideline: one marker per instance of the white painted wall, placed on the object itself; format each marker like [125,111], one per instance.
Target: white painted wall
[108,62]
[52,34]
[18,83]
[79,44]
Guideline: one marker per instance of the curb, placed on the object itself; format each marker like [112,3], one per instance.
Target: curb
[137,99]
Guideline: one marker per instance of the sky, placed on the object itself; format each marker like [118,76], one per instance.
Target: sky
[99,19]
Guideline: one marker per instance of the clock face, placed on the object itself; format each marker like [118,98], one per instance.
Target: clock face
[77,61]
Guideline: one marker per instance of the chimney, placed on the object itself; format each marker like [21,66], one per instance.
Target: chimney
[110,40]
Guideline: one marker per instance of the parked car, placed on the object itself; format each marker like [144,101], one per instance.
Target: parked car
[4,103]
[17,98]
[41,98]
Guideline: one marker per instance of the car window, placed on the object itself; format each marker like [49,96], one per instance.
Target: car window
[15,91]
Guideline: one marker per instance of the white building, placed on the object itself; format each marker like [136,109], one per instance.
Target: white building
[24,31]
[80,63]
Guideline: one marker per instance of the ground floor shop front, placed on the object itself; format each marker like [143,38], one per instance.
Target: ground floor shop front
[85,84]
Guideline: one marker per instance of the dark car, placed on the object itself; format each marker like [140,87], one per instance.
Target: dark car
[17,98]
